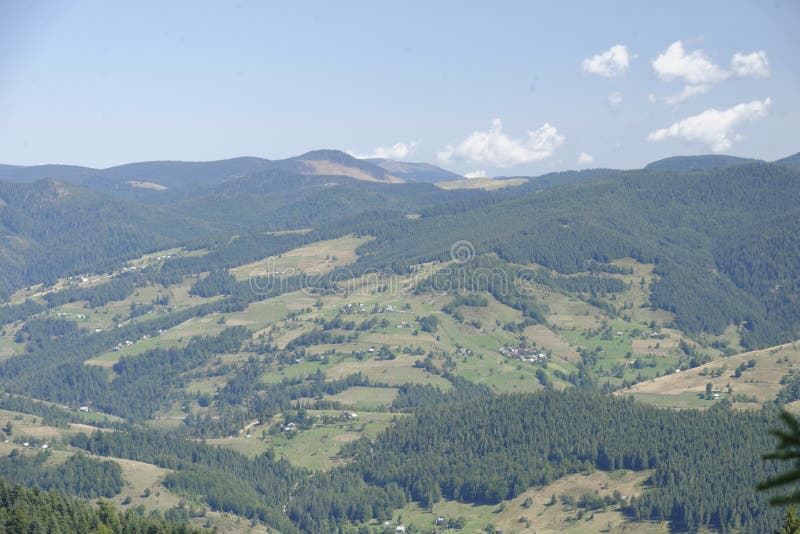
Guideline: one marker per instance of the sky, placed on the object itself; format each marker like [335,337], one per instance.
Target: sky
[481,88]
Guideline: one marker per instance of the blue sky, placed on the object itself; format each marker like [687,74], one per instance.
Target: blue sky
[501,88]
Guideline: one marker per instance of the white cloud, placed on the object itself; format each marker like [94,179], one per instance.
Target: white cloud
[687,92]
[693,68]
[615,99]
[585,159]
[652,98]
[699,73]
[754,64]
[713,127]
[480,173]
[396,151]
[609,64]
[496,148]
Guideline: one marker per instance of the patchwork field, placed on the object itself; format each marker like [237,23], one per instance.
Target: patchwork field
[316,448]
[756,385]
[375,328]
[534,511]
[317,258]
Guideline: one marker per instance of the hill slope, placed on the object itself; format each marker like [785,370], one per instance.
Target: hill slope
[49,228]
[685,223]
[65,173]
[792,161]
[696,163]
[416,172]
[708,232]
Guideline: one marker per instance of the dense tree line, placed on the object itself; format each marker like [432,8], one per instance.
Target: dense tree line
[216,283]
[11,313]
[790,390]
[62,230]
[79,475]
[762,259]
[488,449]
[706,463]
[34,510]
[144,383]
[412,396]
[222,492]
[320,337]
[590,284]
[329,502]
[119,287]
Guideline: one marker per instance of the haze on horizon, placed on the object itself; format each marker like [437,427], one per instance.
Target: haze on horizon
[511,88]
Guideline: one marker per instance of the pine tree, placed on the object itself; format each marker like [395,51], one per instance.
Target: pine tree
[791,522]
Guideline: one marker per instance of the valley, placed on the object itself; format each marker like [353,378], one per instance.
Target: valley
[372,268]
[289,351]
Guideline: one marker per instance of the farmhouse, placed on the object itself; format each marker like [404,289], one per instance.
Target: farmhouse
[525,354]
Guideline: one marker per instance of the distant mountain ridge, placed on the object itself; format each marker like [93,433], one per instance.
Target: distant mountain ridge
[21,173]
[183,174]
[159,176]
[697,163]
[416,172]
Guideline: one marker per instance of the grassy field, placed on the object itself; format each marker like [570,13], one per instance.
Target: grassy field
[395,372]
[26,427]
[570,321]
[8,347]
[364,398]
[318,258]
[256,316]
[538,515]
[141,477]
[317,448]
[487,184]
[174,337]
[760,383]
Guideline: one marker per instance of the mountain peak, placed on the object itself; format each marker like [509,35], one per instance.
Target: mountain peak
[338,163]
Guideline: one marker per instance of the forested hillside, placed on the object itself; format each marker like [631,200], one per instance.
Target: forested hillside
[307,351]
[489,451]
[50,229]
[33,510]
[696,163]
[682,222]
[686,222]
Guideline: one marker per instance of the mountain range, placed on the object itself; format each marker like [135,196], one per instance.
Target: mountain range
[618,278]
[162,175]
[83,220]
